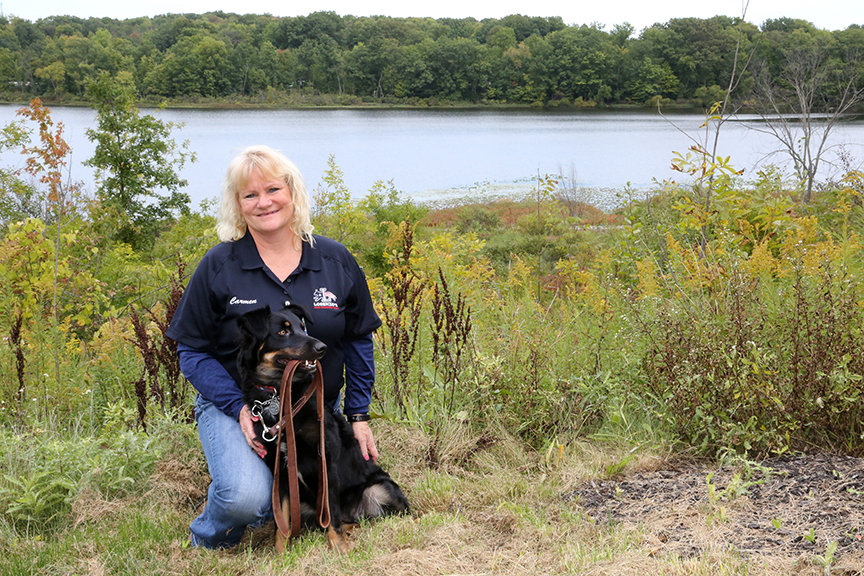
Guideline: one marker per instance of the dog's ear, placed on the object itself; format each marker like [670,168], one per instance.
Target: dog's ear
[301,312]
[253,326]
[252,329]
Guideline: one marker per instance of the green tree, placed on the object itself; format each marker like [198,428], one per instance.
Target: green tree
[580,63]
[316,27]
[135,158]
[8,68]
[525,26]
[501,37]
[321,63]
[653,79]
[194,65]
[253,68]
[446,68]
[508,75]
[55,73]
[371,66]
[699,52]
[85,57]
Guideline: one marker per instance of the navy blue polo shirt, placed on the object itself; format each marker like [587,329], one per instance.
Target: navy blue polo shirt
[232,279]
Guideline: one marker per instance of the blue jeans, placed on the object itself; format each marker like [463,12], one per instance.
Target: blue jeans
[240,489]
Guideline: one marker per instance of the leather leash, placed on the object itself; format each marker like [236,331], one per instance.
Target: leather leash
[286,423]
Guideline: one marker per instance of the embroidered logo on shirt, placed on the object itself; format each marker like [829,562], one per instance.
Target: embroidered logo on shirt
[323,298]
[235,300]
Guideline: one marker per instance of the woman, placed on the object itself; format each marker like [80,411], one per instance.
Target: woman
[268,256]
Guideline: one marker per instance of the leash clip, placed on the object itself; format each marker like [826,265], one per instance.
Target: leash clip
[258,410]
[265,437]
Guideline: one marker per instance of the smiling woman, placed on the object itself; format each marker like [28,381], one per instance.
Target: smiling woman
[268,257]
[265,189]
[267,207]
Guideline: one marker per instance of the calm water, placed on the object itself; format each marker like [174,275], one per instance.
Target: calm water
[438,154]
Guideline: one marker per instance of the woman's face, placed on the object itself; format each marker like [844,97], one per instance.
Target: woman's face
[266,204]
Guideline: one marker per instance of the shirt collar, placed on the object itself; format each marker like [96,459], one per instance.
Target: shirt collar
[248,253]
[310,259]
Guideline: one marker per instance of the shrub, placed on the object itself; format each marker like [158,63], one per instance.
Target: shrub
[751,352]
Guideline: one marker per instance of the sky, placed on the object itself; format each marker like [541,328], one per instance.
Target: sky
[826,14]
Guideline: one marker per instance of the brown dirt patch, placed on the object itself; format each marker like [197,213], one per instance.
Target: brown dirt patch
[767,512]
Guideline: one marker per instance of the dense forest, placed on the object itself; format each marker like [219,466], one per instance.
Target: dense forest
[416,61]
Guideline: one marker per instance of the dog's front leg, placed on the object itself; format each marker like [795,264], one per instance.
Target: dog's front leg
[335,534]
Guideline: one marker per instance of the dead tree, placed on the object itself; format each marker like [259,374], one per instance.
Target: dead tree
[804,103]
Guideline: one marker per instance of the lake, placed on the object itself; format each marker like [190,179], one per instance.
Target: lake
[440,154]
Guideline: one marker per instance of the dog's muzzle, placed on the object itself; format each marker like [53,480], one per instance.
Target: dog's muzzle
[305,365]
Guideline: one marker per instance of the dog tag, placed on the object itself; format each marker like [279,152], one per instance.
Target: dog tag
[270,409]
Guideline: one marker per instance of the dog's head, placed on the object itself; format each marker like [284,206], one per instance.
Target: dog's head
[269,340]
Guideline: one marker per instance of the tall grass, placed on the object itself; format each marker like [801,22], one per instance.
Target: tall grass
[500,370]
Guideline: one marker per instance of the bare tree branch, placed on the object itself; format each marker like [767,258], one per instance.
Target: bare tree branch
[802,106]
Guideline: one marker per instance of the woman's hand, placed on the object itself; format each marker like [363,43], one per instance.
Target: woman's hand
[363,434]
[245,419]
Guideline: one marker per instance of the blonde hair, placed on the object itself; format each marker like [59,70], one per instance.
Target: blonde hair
[267,163]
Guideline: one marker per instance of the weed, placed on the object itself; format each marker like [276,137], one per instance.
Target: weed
[161,363]
[777,522]
[47,471]
[17,347]
[713,495]
[719,514]
[827,559]
[37,498]
[618,467]
[451,334]
[402,315]
[738,487]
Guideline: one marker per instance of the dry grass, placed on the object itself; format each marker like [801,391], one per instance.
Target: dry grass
[486,505]
[91,507]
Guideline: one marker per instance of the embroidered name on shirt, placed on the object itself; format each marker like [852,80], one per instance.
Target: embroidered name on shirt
[323,298]
[236,300]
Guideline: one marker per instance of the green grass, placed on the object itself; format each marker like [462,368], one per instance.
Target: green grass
[497,510]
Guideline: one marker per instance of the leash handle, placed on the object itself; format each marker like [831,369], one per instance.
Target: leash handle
[323,488]
[286,423]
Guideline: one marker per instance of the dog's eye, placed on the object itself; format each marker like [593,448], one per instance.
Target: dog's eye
[283,332]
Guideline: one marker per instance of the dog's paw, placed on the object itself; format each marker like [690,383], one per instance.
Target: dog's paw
[337,541]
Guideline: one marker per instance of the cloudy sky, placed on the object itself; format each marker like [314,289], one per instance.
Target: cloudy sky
[827,14]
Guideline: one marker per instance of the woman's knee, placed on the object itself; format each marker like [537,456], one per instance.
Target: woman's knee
[244,501]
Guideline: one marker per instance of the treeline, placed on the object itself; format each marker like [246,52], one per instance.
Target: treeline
[423,61]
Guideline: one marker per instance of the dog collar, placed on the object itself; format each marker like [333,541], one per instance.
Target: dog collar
[270,389]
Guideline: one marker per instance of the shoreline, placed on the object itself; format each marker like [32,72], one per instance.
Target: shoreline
[169,104]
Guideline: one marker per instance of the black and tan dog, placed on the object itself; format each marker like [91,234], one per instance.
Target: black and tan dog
[356,487]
